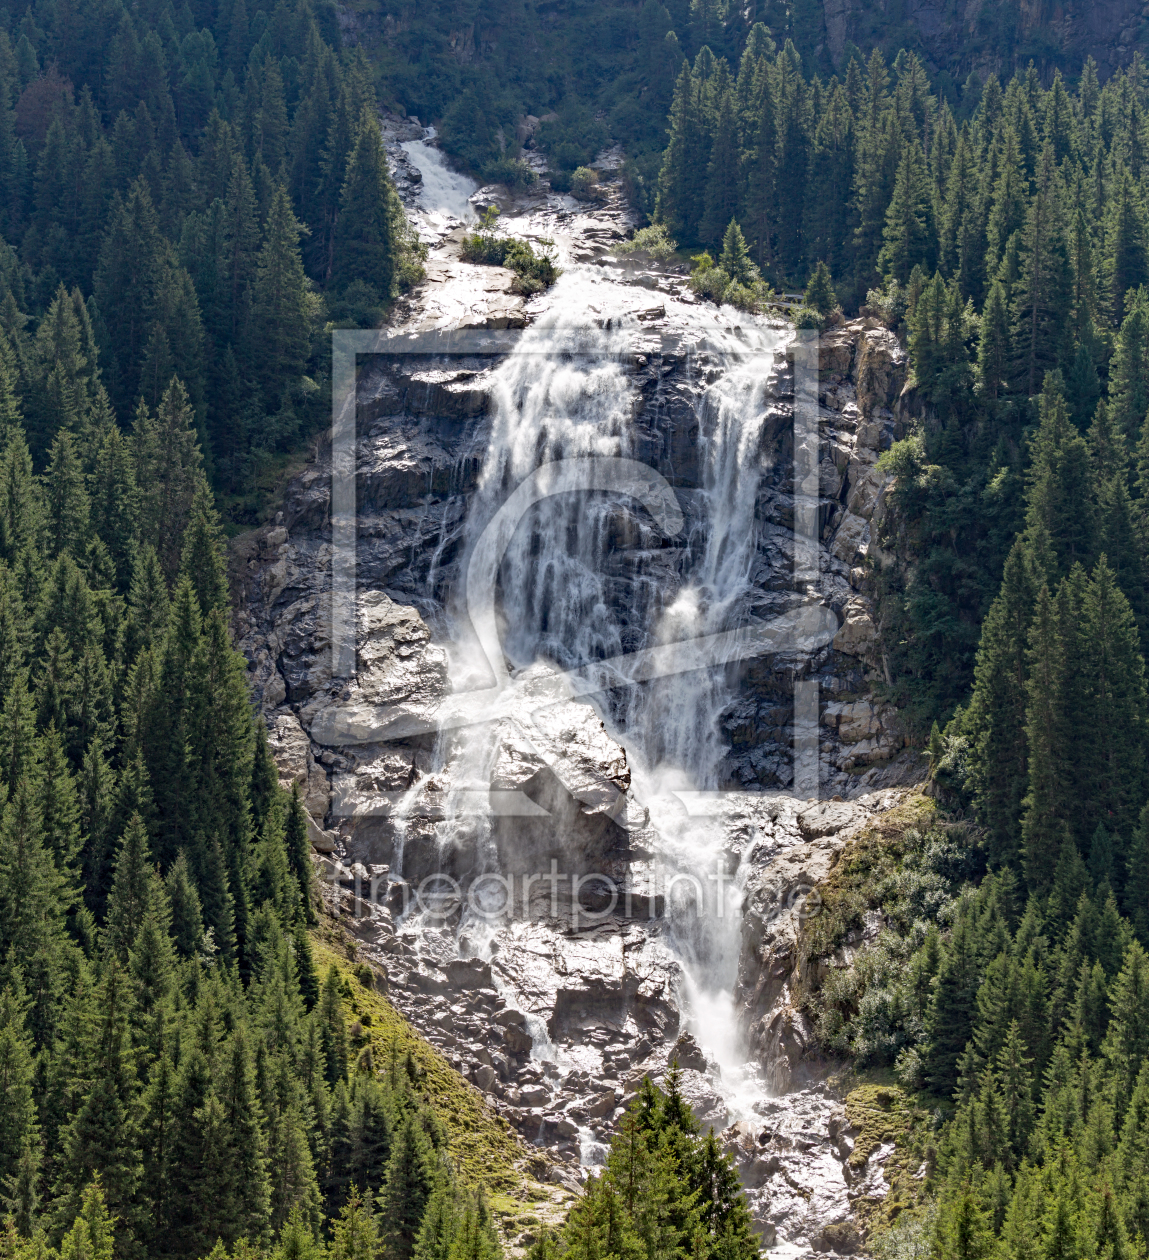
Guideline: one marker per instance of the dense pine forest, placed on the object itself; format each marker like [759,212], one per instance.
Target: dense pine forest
[1003,237]
[189,194]
[190,199]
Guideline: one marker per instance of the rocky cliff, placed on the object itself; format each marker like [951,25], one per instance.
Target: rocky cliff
[565,963]
[964,35]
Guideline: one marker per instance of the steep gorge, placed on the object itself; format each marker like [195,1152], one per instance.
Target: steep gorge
[603,827]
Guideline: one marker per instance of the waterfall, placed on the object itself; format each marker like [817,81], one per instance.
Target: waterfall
[567,392]
[444,192]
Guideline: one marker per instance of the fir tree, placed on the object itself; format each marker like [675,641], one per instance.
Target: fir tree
[406,1191]
[93,1232]
[723,177]
[735,257]
[1136,888]
[1044,819]
[115,502]
[298,847]
[1125,265]
[820,291]
[997,710]
[169,471]
[681,182]
[909,234]
[1041,299]
[1112,765]
[202,562]
[244,1154]
[102,1138]
[355,1235]
[131,891]
[18,1121]
[281,303]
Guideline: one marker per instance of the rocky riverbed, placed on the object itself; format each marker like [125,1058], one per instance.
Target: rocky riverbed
[533,884]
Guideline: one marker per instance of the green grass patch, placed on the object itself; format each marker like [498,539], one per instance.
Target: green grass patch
[860,877]
[881,1112]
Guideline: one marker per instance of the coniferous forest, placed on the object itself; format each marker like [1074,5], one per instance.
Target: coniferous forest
[191,198]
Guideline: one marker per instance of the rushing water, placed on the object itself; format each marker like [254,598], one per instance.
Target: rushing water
[444,193]
[565,394]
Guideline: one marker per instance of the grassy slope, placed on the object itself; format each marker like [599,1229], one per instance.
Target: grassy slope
[484,1148]
[878,1108]
[855,883]
[881,1112]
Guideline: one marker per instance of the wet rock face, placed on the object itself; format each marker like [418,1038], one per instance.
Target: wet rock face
[565,991]
[423,431]
[558,1028]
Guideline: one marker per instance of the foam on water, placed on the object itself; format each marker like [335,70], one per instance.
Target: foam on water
[565,393]
[444,192]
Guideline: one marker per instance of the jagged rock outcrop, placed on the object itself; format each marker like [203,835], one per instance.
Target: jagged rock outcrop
[958,37]
[535,939]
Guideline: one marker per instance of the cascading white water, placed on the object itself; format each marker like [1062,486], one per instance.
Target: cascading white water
[444,193]
[564,394]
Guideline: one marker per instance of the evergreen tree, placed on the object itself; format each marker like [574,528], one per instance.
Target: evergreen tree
[148,603]
[31,906]
[202,563]
[281,299]
[681,182]
[18,1121]
[1136,888]
[186,912]
[1058,515]
[735,257]
[115,502]
[723,175]
[820,291]
[169,472]
[993,343]
[1044,820]
[1125,265]
[67,500]
[1111,767]
[909,235]
[951,1008]
[102,1138]
[997,710]
[879,153]
[244,1154]
[93,1232]
[355,1235]
[406,1191]
[298,848]
[132,889]
[1129,369]
[1041,299]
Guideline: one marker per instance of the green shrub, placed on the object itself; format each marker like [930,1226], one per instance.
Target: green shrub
[534,272]
[714,283]
[807,317]
[653,240]
[888,303]
[569,156]
[584,184]
[514,172]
